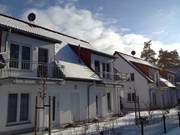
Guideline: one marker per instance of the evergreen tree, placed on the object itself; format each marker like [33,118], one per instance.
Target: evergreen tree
[148,54]
[168,59]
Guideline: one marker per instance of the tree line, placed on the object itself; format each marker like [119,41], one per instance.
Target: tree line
[165,58]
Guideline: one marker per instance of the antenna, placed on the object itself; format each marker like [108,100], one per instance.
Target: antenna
[31,17]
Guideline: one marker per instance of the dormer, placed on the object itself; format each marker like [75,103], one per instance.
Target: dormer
[101,63]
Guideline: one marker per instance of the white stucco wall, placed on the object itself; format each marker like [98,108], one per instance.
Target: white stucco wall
[64,102]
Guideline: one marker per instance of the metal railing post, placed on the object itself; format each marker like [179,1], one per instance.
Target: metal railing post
[164,123]
[142,126]
[49,115]
[179,118]
[35,125]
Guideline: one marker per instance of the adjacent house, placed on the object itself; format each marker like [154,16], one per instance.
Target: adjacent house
[144,83]
[167,80]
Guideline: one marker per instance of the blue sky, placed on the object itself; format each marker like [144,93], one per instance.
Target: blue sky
[126,22]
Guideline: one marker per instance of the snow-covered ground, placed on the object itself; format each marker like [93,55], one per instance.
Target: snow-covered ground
[124,125]
[175,131]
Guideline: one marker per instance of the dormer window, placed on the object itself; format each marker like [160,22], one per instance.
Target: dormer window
[171,78]
[106,70]
[97,67]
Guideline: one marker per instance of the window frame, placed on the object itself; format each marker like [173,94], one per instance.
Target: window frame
[132,76]
[26,61]
[99,67]
[21,45]
[8,108]
[18,121]
[131,97]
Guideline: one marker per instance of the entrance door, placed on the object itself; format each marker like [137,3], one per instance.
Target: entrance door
[75,102]
[98,106]
[42,62]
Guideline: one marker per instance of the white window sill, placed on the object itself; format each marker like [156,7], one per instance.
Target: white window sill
[17,123]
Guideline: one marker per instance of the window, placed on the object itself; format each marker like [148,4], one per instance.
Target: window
[109,101]
[25,57]
[42,61]
[171,78]
[108,70]
[15,52]
[14,56]
[132,76]
[97,106]
[104,70]
[97,67]
[131,97]
[12,107]
[18,105]
[154,98]
[54,108]
[24,107]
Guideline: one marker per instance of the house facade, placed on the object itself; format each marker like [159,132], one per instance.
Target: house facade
[41,62]
[144,84]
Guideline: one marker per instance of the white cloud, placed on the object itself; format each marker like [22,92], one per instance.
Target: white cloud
[82,24]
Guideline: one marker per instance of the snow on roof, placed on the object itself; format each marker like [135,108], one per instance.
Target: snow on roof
[137,60]
[72,66]
[23,26]
[167,83]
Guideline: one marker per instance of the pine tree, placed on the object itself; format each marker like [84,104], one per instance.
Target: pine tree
[148,54]
[168,59]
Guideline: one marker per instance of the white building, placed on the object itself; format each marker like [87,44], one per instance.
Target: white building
[79,79]
[144,83]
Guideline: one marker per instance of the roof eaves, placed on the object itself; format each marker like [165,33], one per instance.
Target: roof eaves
[35,25]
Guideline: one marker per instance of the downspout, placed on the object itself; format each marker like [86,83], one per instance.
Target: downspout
[7,40]
[88,97]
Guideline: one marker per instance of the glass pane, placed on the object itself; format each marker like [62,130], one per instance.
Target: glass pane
[104,70]
[109,101]
[25,58]
[14,56]
[97,67]
[24,107]
[12,107]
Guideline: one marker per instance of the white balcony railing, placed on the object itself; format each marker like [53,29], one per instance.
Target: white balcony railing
[15,68]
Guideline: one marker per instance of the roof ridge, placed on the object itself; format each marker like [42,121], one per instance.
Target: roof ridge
[130,56]
[42,27]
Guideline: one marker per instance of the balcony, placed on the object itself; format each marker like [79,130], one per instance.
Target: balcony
[116,77]
[28,69]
